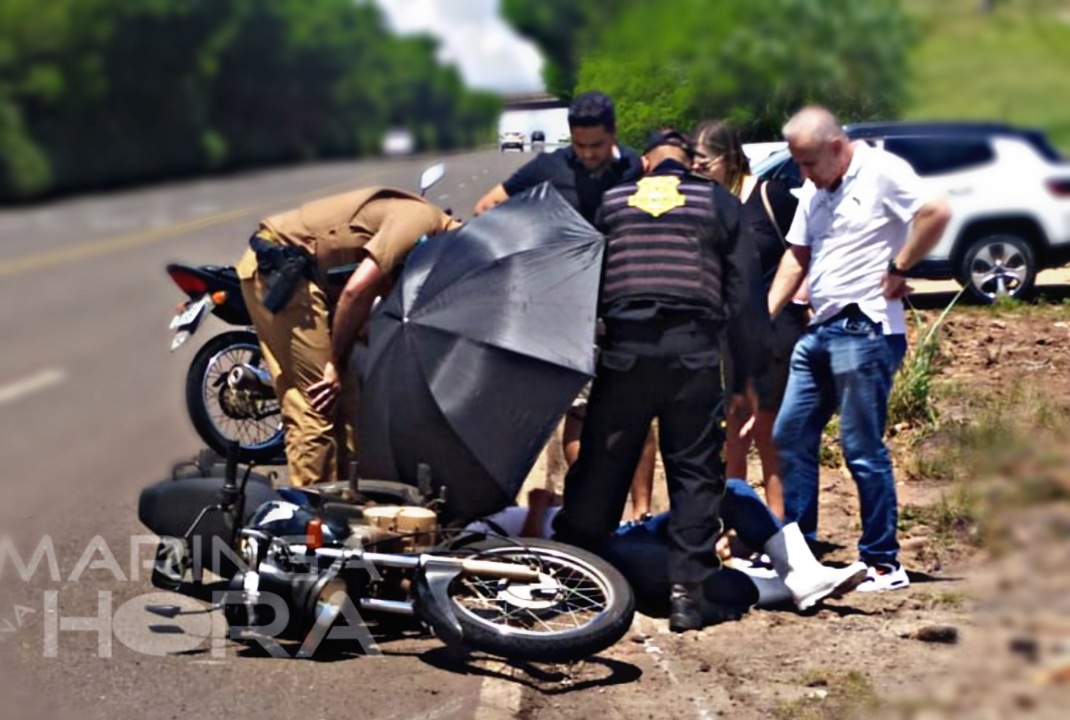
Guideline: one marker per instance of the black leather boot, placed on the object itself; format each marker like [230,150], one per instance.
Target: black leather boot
[690,609]
[685,608]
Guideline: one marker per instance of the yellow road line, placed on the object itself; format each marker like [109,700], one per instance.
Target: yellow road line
[61,256]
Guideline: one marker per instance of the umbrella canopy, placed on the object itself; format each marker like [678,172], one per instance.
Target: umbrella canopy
[477,352]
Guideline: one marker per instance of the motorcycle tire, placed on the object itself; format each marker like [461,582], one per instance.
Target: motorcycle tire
[203,401]
[513,620]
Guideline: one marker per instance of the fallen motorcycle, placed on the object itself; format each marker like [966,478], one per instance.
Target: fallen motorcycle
[302,566]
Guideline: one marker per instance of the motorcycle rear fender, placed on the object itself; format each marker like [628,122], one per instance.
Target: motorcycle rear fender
[217,277]
[431,599]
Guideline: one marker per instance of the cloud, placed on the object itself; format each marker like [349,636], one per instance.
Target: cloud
[472,35]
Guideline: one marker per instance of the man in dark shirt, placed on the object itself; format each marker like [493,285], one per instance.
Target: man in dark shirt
[675,276]
[582,172]
[592,164]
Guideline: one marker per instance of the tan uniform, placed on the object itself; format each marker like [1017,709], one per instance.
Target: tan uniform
[339,230]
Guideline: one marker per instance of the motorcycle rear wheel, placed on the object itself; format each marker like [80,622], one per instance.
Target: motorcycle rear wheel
[260,438]
[581,606]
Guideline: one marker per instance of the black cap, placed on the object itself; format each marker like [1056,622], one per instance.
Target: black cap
[669,136]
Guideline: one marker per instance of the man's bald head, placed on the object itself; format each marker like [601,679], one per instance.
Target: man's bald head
[819,146]
[813,125]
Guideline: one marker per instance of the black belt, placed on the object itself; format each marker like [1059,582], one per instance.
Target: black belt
[680,334]
[281,268]
[851,312]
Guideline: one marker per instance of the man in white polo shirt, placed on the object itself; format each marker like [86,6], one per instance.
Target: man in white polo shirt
[863,220]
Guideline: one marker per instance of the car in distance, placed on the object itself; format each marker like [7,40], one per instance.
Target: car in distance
[398,141]
[511,140]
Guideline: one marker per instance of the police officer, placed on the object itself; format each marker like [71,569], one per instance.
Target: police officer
[674,276]
[581,172]
[309,279]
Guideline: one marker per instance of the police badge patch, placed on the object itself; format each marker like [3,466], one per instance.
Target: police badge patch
[657,195]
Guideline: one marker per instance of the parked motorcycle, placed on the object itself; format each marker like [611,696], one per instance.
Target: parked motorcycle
[229,392]
[302,566]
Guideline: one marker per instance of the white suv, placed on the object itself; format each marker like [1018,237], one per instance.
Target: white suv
[1009,192]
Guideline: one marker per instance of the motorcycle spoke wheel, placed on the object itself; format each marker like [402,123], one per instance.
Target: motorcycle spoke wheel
[579,605]
[253,426]
[564,598]
[221,415]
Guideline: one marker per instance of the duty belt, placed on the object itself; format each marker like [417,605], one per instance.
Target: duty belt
[281,268]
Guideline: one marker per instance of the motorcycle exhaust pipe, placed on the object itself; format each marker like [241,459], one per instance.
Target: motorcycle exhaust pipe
[508,571]
[394,607]
[247,377]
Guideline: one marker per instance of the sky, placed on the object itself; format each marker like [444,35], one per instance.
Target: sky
[488,52]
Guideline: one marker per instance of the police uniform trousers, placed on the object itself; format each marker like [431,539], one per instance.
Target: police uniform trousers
[296,343]
[664,369]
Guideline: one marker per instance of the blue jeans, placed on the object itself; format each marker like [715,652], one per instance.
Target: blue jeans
[742,510]
[845,365]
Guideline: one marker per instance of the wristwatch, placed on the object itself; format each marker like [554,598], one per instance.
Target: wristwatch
[894,269]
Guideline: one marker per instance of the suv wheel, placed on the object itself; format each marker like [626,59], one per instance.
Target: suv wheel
[998,264]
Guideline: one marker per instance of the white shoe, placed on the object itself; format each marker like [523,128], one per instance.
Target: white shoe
[830,583]
[883,577]
[808,580]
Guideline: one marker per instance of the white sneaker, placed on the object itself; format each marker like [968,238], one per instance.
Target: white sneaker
[825,582]
[883,577]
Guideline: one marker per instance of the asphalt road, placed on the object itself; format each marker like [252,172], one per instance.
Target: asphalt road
[91,410]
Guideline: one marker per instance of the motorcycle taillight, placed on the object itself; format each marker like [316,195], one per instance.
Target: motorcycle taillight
[187,281]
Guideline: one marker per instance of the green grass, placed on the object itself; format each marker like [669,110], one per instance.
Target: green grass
[911,399]
[837,696]
[957,518]
[1012,65]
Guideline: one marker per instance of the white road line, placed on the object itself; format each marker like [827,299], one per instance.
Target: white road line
[443,196]
[661,660]
[463,185]
[22,388]
[498,699]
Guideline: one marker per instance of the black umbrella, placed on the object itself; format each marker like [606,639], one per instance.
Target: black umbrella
[478,351]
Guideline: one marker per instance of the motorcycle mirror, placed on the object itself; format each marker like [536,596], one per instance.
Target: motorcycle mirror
[431,176]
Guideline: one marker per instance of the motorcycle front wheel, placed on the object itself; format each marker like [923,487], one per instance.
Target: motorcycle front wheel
[220,414]
[580,606]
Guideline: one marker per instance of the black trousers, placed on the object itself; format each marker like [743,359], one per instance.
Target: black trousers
[668,372]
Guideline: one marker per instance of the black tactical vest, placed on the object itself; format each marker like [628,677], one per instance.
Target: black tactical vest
[665,243]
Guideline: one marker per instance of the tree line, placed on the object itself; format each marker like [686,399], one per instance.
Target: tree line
[96,93]
[752,63]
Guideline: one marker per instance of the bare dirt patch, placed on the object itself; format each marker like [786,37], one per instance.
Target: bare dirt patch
[984,629]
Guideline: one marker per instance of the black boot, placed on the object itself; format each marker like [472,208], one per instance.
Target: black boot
[690,609]
[686,604]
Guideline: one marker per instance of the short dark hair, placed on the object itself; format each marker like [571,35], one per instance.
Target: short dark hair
[669,136]
[591,109]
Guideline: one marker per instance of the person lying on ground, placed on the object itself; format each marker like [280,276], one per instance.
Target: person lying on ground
[640,551]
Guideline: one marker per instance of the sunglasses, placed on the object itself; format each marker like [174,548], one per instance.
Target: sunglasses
[703,160]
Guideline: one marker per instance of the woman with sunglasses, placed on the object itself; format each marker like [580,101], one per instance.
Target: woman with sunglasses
[768,208]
